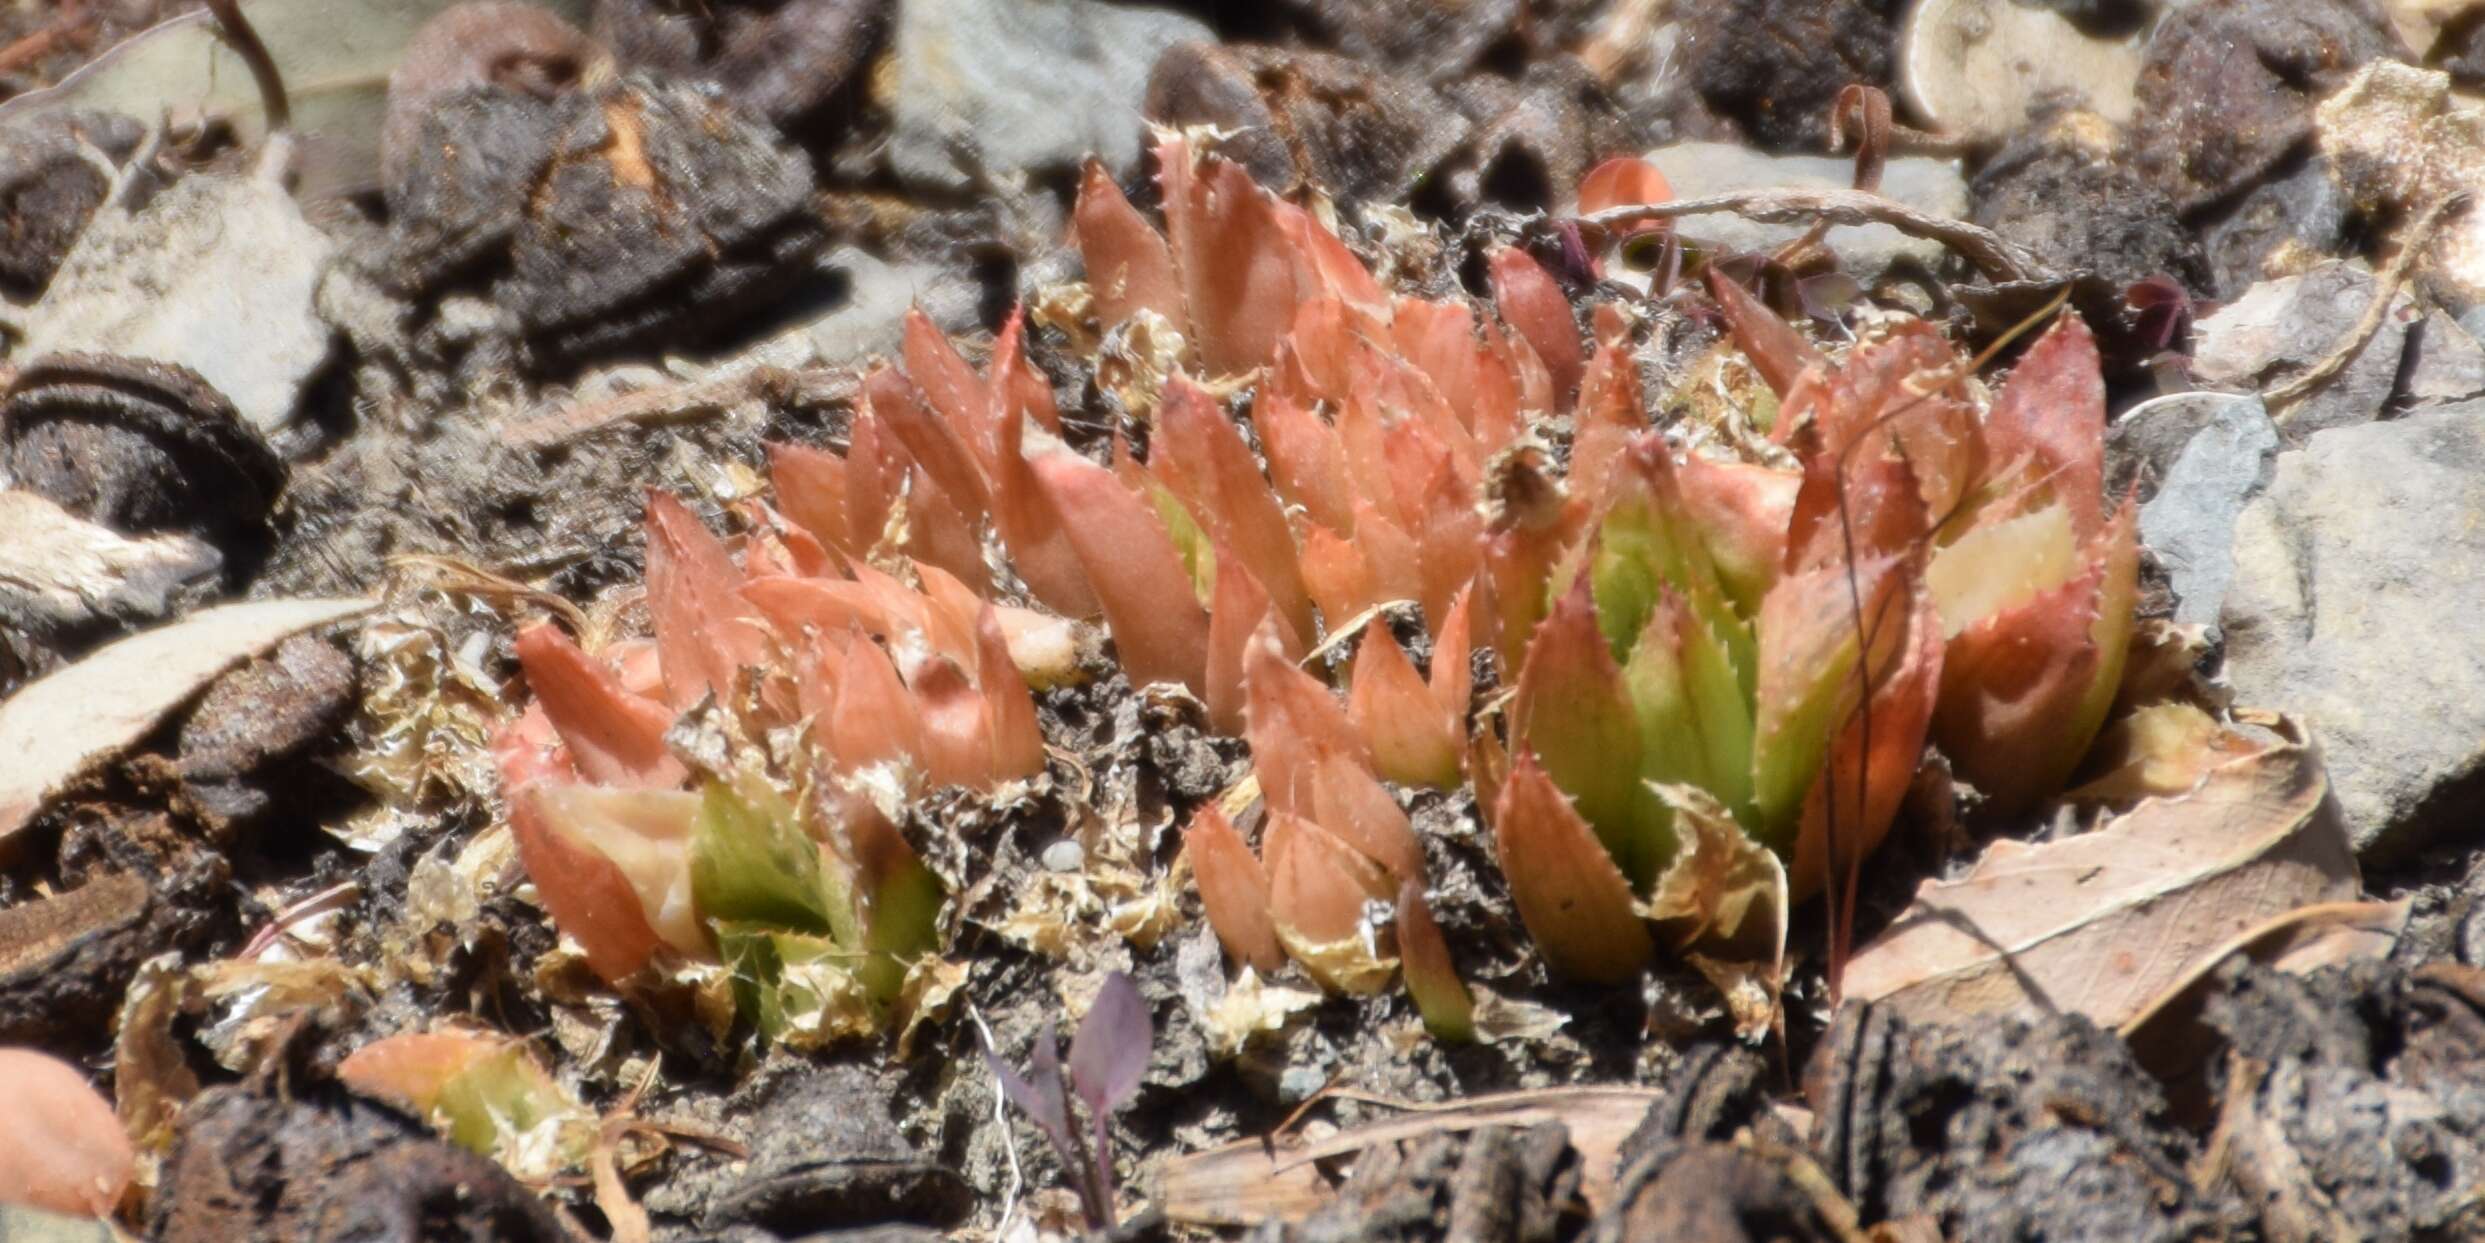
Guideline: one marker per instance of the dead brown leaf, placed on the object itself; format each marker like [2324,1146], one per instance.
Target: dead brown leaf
[2103,923]
[1251,1181]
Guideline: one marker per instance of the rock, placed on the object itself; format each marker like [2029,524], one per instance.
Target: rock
[49,187]
[2283,328]
[2190,522]
[1426,39]
[868,315]
[2006,1129]
[214,274]
[635,215]
[1307,118]
[2067,191]
[325,1165]
[986,89]
[2398,140]
[2227,92]
[826,1152]
[2358,572]
[1773,67]
[2276,228]
[2444,362]
[1534,138]
[139,445]
[1868,253]
[1974,67]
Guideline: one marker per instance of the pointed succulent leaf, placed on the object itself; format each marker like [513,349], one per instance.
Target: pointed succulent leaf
[1778,352]
[1741,512]
[1609,417]
[612,868]
[705,634]
[613,737]
[1412,740]
[1539,312]
[1294,722]
[949,386]
[1009,706]
[2051,412]
[1149,604]
[1354,806]
[2026,687]
[875,721]
[751,861]
[1572,714]
[1129,268]
[937,449]
[410,1069]
[1225,488]
[1873,760]
[1452,679]
[1306,460]
[810,486]
[1999,567]
[1695,725]
[1572,899]
[1809,647]
[1234,889]
[1431,974]
[1338,575]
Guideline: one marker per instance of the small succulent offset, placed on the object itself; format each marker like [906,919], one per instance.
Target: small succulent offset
[1108,1058]
[783,862]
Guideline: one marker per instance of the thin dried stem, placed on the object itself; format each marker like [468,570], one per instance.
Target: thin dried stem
[2412,247]
[1998,258]
[244,39]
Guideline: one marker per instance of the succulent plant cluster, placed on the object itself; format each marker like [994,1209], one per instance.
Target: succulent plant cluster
[1721,672]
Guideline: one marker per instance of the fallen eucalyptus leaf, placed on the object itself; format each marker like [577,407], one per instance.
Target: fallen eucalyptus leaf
[335,56]
[1252,1181]
[2102,923]
[60,573]
[58,727]
[2167,1036]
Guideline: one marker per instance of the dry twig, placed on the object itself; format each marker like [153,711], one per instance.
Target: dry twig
[2412,246]
[1996,257]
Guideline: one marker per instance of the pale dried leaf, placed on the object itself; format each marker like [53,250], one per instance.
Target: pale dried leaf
[2101,923]
[61,725]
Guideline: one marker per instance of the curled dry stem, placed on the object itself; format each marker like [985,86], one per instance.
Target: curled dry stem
[244,40]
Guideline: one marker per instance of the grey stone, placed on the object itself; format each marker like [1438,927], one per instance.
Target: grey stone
[985,88]
[870,317]
[1697,169]
[2190,522]
[2358,603]
[2281,329]
[2444,362]
[216,274]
